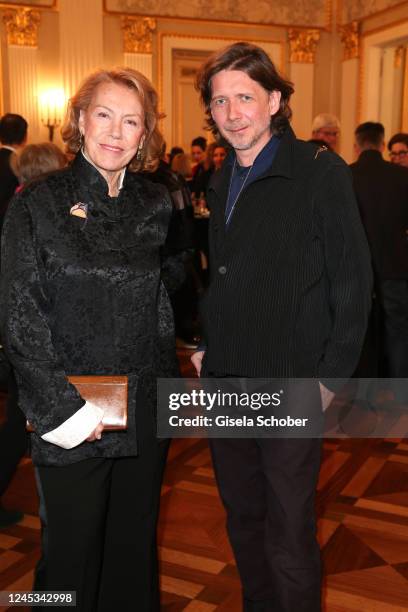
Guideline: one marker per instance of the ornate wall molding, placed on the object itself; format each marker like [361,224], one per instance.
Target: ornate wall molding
[22,26]
[42,4]
[138,34]
[303,45]
[361,9]
[286,13]
[350,38]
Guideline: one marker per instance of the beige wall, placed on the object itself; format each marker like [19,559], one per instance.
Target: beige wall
[327,84]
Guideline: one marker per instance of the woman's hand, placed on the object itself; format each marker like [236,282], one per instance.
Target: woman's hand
[196,360]
[96,434]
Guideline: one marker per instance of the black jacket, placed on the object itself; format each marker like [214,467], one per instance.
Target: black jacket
[290,287]
[382,195]
[8,181]
[84,296]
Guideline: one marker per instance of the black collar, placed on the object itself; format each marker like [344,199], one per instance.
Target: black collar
[281,166]
[370,154]
[88,176]
[93,190]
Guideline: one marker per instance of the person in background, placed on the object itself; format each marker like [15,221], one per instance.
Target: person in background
[381,188]
[198,148]
[29,164]
[198,157]
[83,291]
[13,441]
[13,136]
[185,300]
[218,156]
[326,129]
[36,160]
[184,297]
[215,155]
[398,148]
[181,166]
[173,152]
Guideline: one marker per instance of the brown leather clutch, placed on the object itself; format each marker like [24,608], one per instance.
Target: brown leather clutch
[107,392]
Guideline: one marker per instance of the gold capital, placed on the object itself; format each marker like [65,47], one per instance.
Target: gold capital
[137,34]
[303,44]
[22,26]
[349,36]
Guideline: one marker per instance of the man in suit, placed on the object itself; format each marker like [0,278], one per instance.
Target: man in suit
[13,438]
[382,194]
[13,136]
[289,297]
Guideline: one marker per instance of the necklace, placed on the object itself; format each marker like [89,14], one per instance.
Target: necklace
[239,192]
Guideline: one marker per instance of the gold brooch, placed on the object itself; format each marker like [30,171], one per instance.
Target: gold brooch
[320,150]
[79,210]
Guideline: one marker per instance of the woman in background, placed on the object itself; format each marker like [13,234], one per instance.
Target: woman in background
[82,294]
[219,153]
[215,155]
[36,160]
[181,165]
[28,164]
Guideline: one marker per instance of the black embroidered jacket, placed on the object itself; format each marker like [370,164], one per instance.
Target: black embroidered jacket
[85,296]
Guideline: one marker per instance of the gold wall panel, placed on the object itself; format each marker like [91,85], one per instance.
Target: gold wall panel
[350,10]
[50,4]
[307,13]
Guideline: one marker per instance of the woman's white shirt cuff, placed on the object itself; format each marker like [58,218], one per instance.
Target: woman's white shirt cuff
[77,428]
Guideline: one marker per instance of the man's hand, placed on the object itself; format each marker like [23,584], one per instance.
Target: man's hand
[326,396]
[96,434]
[196,360]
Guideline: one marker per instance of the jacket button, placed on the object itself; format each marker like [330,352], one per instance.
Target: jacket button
[222,270]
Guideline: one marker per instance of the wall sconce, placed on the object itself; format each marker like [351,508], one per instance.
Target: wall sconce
[52,105]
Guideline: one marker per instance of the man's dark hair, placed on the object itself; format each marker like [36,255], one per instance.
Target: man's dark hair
[13,129]
[256,63]
[400,137]
[200,141]
[369,135]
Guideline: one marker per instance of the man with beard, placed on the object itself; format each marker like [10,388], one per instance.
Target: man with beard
[289,296]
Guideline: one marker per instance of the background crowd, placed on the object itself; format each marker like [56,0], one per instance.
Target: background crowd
[380,176]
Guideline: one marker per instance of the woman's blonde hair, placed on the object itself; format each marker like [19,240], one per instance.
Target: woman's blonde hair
[148,158]
[181,164]
[38,159]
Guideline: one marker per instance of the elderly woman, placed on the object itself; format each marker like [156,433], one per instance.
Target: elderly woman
[82,293]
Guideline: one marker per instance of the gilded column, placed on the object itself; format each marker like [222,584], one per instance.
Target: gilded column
[392,89]
[22,41]
[303,45]
[137,43]
[350,39]
[404,122]
[81,32]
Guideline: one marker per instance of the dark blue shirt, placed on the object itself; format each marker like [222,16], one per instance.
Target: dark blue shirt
[243,176]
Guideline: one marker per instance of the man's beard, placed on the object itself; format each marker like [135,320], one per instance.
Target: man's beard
[244,146]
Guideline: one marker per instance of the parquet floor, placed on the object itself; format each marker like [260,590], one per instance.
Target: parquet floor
[362,506]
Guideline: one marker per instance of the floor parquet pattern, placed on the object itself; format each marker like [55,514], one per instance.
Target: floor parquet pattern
[362,505]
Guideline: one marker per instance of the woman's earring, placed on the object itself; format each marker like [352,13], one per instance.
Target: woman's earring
[140,150]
